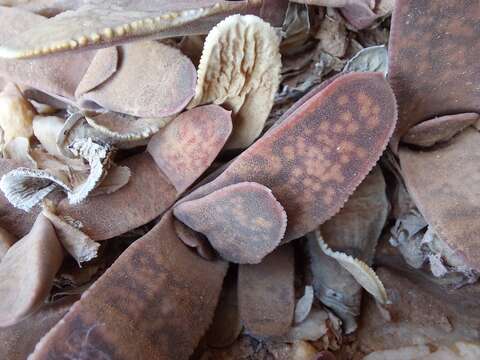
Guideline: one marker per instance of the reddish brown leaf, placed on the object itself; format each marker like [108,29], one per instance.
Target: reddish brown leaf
[18,341]
[445,185]
[433,60]
[266,293]
[195,240]
[147,195]
[154,302]
[243,222]
[439,129]
[314,159]
[187,146]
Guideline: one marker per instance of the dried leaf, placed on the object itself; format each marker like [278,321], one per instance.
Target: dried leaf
[27,271]
[304,305]
[243,222]
[266,294]
[332,35]
[185,148]
[18,150]
[117,177]
[133,89]
[374,58]
[240,69]
[440,129]
[16,114]
[47,129]
[75,242]
[146,281]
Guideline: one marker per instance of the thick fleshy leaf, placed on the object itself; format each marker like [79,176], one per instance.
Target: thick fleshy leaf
[444,185]
[6,240]
[147,195]
[243,222]
[146,282]
[18,341]
[27,271]
[440,129]
[433,60]
[104,23]
[266,294]
[316,157]
[134,88]
[187,146]
[53,74]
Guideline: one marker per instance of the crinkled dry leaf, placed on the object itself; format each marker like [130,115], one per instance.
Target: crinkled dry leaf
[16,114]
[6,240]
[373,58]
[103,23]
[146,282]
[75,242]
[47,129]
[364,275]
[313,328]
[185,148]
[134,88]
[332,35]
[243,222]
[240,69]
[52,75]
[147,195]
[18,341]
[440,129]
[312,161]
[304,305]
[18,150]
[27,271]
[433,60]
[443,184]
[266,293]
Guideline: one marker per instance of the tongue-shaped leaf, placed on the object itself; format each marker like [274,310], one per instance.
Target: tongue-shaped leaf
[55,75]
[103,23]
[187,146]
[153,80]
[433,60]
[315,158]
[154,302]
[243,222]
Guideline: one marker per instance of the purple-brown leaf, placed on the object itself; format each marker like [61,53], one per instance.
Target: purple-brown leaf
[316,157]
[154,302]
[433,60]
[187,146]
[243,222]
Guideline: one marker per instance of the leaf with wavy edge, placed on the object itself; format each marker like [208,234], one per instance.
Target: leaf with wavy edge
[363,273]
[107,23]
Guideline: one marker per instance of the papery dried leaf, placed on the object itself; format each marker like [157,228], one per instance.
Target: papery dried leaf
[18,150]
[316,157]
[373,58]
[304,305]
[125,131]
[332,35]
[439,129]
[6,241]
[18,341]
[188,145]
[314,327]
[240,69]
[433,60]
[443,184]
[102,24]
[134,88]
[27,271]
[243,222]
[75,242]
[147,195]
[364,275]
[46,129]
[266,293]
[16,114]
[52,75]
[147,281]
[103,66]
